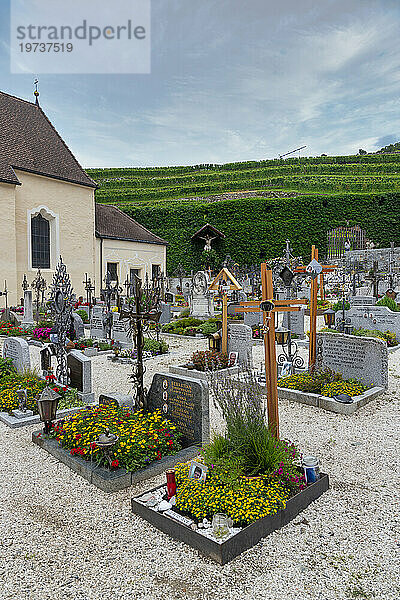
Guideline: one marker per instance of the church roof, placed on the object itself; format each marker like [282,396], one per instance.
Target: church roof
[112,223]
[29,142]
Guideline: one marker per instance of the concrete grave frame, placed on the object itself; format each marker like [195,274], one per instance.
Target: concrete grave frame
[202,375]
[22,421]
[248,537]
[110,481]
[330,404]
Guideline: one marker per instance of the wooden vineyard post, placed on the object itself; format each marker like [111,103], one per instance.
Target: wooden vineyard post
[269,307]
[224,282]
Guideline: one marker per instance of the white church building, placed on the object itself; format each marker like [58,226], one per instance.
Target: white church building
[48,209]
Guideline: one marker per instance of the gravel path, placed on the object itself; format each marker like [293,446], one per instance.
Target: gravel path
[63,539]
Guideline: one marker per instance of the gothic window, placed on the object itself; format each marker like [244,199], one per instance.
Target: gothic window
[40,240]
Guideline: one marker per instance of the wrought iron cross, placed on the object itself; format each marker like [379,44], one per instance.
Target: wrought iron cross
[61,301]
[141,311]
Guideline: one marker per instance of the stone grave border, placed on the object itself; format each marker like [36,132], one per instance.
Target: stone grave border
[105,480]
[15,422]
[203,375]
[248,537]
[199,336]
[330,404]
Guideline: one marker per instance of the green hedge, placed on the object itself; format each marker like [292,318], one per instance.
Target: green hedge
[256,228]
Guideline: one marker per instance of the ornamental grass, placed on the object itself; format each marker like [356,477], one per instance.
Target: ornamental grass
[143,437]
[251,473]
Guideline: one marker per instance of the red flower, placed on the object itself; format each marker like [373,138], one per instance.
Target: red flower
[78,436]
[115,464]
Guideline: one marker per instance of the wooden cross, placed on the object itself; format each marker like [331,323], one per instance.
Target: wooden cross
[224,283]
[268,306]
[312,352]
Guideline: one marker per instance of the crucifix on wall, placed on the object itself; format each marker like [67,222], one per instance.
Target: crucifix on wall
[268,306]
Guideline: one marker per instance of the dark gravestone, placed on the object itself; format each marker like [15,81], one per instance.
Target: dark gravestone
[78,325]
[45,360]
[184,401]
[75,373]
[169,298]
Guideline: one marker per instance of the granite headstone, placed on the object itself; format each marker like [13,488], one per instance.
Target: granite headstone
[17,349]
[240,340]
[362,358]
[80,373]
[184,401]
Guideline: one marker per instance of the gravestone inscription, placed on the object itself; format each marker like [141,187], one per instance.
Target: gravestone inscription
[17,349]
[80,374]
[184,401]
[365,359]
[97,329]
[296,322]
[375,317]
[120,331]
[240,340]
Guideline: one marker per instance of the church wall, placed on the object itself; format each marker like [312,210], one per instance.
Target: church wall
[70,210]
[8,244]
[128,255]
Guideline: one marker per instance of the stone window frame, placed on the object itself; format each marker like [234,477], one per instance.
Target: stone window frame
[54,223]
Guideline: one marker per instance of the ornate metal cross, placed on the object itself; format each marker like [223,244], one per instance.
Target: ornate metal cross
[61,301]
[39,286]
[141,311]
[312,351]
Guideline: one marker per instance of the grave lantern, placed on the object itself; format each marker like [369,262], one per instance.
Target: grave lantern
[47,403]
[106,441]
[214,342]
[281,336]
[329,317]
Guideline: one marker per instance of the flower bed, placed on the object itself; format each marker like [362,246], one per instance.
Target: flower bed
[190,326]
[11,330]
[143,437]
[388,336]
[327,383]
[247,474]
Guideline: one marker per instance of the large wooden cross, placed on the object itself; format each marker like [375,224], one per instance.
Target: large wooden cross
[225,283]
[268,306]
[312,351]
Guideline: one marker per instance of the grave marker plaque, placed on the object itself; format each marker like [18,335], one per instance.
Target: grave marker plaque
[80,373]
[240,340]
[184,401]
[17,350]
[365,359]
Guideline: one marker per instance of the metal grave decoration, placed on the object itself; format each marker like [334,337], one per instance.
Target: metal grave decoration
[144,308]
[39,286]
[61,300]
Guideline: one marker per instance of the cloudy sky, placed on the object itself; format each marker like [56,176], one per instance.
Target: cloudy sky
[234,80]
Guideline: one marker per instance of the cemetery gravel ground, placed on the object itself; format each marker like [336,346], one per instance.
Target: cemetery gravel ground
[63,539]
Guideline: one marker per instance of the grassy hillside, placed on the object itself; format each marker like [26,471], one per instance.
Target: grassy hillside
[299,198]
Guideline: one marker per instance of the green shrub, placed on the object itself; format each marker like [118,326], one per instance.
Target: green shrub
[155,347]
[208,328]
[339,305]
[83,315]
[389,303]
[7,368]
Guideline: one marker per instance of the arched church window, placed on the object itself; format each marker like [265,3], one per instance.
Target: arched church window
[40,239]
